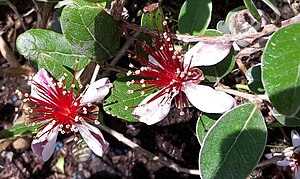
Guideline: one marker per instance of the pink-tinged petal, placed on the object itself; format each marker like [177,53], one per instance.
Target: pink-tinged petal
[206,53]
[154,111]
[207,99]
[42,78]
[93,137]
[284,163]
[295,138]
[96,91]
[44,145]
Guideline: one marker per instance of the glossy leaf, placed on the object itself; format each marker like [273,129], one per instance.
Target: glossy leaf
[234,145]
[204,123]
[252,9]
[120,103]
[92,31]
[194,16]
[280,70]
[253,76]
[37,45]
[19,130]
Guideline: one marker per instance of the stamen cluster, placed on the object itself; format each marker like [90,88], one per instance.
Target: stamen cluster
[165,69]
[59,107]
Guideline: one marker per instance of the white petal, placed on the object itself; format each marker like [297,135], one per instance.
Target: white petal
[207,99]
[97,91]
[93,137]
[44,146]
[206,53]
[42,78]
[152,112]
[295,138]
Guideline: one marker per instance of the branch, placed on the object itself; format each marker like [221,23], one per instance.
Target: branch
[148,154]
[250,97]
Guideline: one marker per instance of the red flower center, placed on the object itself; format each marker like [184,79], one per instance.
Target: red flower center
[168,72]
[55,105]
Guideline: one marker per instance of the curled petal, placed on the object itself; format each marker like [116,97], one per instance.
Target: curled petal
[207,99]
[44,146]
[206,53]
[96,91]
[93,137]
[295,138]
[153,112]
[42,78]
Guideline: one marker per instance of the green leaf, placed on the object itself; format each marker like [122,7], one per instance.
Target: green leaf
[194,16]
[120,103]
[234,145]
[37,45]
[204,123]
[153,20]
[281,69]
[223,27]
[92,31]
[252,9]
[288,122]
[220,70]
[253,76]
[19,130]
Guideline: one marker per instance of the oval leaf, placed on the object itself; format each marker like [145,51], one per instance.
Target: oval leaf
[38,44]
[281,69]
[194,16]
[234,145]
[120,103]
[92,31]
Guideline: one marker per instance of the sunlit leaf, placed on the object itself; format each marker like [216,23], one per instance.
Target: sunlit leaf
[234,145]
[92,31]
[120,103]
[280,70]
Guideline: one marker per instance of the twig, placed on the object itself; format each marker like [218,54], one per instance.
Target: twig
[227,38]
[250,97]
[148,154]
[8,55]
[13,7]
[117,9]
[122,51]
